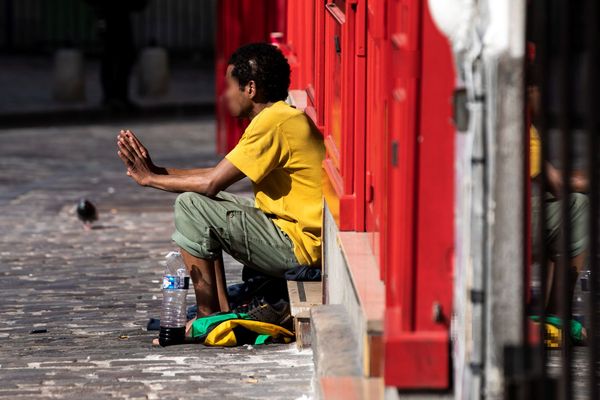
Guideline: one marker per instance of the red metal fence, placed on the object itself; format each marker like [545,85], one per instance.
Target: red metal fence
[379,78]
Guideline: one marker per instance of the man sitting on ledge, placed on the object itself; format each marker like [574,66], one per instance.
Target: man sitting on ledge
[281,151]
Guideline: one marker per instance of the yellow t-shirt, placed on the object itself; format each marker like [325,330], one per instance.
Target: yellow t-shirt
[281,152]
[535,150]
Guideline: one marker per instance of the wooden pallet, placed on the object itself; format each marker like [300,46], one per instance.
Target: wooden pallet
[303,296]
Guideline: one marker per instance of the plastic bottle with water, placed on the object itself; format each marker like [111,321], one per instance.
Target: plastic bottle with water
[174,287]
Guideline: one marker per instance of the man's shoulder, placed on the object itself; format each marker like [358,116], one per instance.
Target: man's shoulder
[281,112]
[274,118]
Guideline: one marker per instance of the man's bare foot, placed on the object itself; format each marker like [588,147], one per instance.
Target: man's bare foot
[188,331]
[584,336]
[188,327]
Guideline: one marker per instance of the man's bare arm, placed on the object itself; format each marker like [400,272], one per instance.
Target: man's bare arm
[208,181]
[135,145]
[577,183]
[181,172]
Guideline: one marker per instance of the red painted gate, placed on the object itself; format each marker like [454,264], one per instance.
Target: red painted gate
[420,239]
[378,78]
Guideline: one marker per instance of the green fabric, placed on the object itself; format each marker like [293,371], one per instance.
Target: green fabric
[255,334]
[204,226]
[261,339]
[203,325]
[576,327]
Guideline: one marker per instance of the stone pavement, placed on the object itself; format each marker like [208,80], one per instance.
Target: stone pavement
[93,291]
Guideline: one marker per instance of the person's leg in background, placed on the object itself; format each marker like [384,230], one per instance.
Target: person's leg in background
[578,220]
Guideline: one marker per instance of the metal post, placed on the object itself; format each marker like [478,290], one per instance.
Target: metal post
[592,21]
[9,24]
[505,314]
[564,117]
[541,35]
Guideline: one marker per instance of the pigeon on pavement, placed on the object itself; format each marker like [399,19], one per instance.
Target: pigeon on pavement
[87,213]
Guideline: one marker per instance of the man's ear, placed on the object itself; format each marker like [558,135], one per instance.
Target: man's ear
[251,89]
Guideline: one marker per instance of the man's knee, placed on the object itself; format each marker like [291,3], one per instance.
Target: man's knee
[193,225]
[579,206]
[184,199]
[188,203]
[580,200]
[191,209]
[579,210]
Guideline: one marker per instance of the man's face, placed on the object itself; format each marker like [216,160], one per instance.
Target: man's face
[533,100]
[239,100]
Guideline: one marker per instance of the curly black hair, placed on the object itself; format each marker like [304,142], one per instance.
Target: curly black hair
[264,64]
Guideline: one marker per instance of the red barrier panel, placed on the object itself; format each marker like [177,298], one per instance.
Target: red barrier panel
[377,154]
[344,117]
[379,79]
[420,233]
[240,22]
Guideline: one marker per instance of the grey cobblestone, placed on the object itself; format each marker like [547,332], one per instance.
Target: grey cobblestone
[93,291]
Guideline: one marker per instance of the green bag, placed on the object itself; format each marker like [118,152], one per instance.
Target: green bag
[576,328]
[232,329]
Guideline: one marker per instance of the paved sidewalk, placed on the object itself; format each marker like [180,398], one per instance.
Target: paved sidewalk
[93,291]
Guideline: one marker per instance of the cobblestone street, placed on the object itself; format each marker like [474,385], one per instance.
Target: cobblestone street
[91,293]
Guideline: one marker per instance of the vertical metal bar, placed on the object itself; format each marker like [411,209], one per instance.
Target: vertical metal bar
[593,127]
[168,25]
[189,27]
[541,34]
[38,18]
[9,27]
[564,113]
[527,231]
[164,20]
[179,24]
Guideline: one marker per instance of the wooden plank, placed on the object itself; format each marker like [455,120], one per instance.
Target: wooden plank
[303,296]
[302,329]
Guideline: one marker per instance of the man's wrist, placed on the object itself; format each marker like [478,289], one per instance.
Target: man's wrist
[158,170]
[149,180]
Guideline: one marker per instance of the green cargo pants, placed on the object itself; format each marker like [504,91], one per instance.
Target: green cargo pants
[578,222]
[205,226]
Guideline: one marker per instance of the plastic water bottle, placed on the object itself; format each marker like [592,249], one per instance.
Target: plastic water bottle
[581,301]
[175,287]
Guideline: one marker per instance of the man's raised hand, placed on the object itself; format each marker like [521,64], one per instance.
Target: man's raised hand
[137,146]
[135,157]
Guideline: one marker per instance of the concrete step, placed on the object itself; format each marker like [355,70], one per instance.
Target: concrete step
[351,388]
[351,279]
[334,347]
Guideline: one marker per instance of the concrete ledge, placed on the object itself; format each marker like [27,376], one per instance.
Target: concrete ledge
[351,279]
[335,351]
[364,274]
[351,388]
